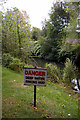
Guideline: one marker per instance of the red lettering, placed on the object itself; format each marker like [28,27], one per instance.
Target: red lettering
[26,72]
[36,73]
[43,73]
[33,72]
[30,73]
[40,73]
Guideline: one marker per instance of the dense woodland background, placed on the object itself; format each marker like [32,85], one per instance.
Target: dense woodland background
[57,41]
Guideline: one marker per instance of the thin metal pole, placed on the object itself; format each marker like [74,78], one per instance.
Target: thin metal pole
[34,95]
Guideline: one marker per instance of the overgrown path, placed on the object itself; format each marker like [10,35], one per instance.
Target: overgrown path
[53,101]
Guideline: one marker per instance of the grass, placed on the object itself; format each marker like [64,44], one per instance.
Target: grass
[53,101]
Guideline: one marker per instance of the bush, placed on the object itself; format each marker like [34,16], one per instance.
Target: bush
[69,71]
[16,65]
[12,63]
[53,72]
[6,59]
[27,65]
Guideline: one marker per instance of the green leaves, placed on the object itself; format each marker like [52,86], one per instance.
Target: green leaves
[54,72]
[55,30]
[70,71]
[16,29]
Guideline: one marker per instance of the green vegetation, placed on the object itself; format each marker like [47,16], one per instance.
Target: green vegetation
[65,74]
[70,71]
[12,63]
[53,101]
[16,33]
[60,39]
[59,42]
[56,41]
[54,72]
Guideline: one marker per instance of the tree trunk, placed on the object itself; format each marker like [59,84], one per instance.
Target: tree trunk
[19,38]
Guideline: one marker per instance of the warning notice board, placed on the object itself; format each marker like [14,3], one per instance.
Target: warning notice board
[35,76]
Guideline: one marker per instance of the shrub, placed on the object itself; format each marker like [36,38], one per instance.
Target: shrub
[27,65]
[6,59]
[13,63]
[69,71]
[53,72]
[17,65]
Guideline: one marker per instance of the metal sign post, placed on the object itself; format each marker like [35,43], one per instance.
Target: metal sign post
[34,95]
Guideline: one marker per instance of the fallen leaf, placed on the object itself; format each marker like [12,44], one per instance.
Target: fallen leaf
[45,102]
[35,108]
[10,102]
[42,109]
[14,80]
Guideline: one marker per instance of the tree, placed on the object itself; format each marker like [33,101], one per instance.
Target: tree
[44,30]
[35,33]
[37,37]
[59,19]
[16,33]
[70,44]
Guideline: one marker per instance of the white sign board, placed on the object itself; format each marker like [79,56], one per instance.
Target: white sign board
[35,76]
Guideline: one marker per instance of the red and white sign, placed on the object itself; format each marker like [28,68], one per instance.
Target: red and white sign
[35,76]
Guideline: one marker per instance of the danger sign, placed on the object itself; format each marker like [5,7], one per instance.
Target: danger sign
[35,76]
